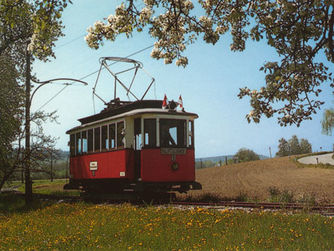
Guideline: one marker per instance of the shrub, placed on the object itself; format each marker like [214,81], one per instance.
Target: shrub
[245,154]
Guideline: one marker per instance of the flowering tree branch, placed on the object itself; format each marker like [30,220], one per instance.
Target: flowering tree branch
[298,30]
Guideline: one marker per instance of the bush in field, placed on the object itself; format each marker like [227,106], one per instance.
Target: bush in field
[277,195]
[245,154]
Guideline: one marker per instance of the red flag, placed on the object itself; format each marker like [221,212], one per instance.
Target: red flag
[164,102]
[180,102]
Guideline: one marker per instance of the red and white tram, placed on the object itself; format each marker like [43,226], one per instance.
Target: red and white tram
[141,146]
[136,146]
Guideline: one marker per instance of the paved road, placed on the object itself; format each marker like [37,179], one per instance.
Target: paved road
[324,158]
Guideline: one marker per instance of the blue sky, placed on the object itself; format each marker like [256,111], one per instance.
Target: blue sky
[209,86]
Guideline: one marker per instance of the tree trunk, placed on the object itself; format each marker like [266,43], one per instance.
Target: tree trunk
[51,167]
[28,183]
[2,182]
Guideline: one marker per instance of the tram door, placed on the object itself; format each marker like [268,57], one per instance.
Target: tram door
[138,146]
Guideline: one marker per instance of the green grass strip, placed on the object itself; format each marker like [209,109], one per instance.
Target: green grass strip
[83,226]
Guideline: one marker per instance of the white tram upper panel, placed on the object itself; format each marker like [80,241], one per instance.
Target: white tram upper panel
[127,113]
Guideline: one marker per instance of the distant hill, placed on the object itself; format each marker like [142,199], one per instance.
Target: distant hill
[217,161]
[223,157]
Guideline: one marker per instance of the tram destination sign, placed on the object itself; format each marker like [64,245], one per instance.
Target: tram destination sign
[176,151]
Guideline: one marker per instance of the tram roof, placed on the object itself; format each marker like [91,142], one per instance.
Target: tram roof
[118,109]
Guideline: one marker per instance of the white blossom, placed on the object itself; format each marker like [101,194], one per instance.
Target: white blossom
[182,61]
[168,60]
[145,14]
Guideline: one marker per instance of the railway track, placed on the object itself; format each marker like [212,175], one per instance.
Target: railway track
[326,210]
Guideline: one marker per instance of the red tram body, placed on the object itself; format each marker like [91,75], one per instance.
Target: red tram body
[136,146]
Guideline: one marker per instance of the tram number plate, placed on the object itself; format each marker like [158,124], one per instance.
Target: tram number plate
[93,165]
[178,151]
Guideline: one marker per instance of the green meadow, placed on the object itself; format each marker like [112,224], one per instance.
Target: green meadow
[82,226]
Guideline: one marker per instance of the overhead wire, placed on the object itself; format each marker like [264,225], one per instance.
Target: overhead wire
[53,97]
[88,75]
[71,41]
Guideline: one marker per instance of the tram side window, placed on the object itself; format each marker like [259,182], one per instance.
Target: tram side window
[72,145]
[78,143]
[191,133]
[90,140]
[97,139]
[150,135]
[112,136]
[104,136]
[138,141]
[120,134]
[84,141]
[173,133]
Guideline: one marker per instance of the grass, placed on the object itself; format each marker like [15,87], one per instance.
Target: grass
[248,181]
[46,187]
[14,203]
[83,226]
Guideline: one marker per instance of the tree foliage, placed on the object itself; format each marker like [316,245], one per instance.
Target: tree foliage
[35,24]
[13,158]
[245,154]
[300,31]
[33,27]
[283,148]
[12,122]
[305,146]
[10,115]
[293,146]
[327,122]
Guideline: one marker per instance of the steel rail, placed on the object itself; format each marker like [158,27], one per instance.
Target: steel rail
[327,209]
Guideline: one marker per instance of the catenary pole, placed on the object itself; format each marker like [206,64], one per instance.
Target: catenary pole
[28,183]
[28,100]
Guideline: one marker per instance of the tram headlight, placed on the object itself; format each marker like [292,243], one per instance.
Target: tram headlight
[175,166]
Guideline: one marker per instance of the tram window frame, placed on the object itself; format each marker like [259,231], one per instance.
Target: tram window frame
[112,136]
[84,142]
[104,138]
[150,132]
[191,134]
[137,132]
[78,147]
[97,139]
[72,144]
[120,134]
[179,127]
[90,137]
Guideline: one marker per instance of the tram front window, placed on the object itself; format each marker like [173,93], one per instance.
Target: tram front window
[150,133]
[173,133]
